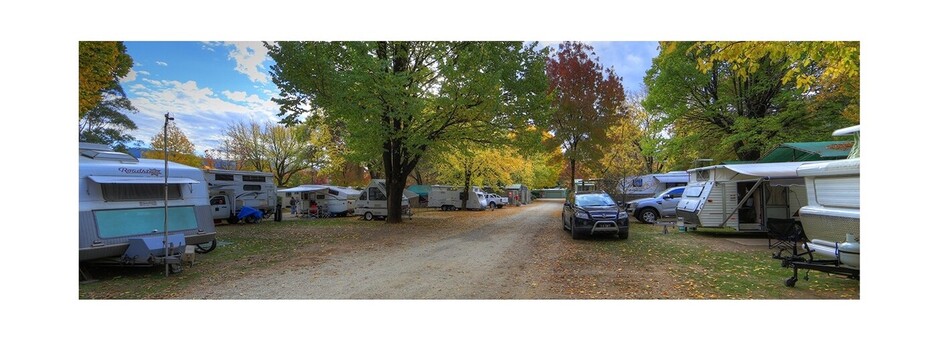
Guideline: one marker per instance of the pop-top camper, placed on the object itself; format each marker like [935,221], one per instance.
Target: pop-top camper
[121,200]
[373,201]
[334,200]
[742,196]
[231,190]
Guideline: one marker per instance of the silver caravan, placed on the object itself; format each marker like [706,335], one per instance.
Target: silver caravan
[652,184]
[448,197]
[121,197]
[231,190]
[742,196]
[373,201]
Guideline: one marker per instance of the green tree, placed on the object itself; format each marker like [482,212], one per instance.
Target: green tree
[101,65]
[585,99]
[728,113]
[400,99]
[829,68]
[102,104]
[180,149]
[107,124]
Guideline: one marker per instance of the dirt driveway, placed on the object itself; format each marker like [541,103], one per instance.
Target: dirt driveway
[492,256]
[510,253]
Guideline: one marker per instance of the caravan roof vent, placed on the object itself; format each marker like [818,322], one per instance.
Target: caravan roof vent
[109,155]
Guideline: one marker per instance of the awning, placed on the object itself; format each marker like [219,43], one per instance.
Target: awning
[305,188]
[767,170]
[672,178]
[141,180]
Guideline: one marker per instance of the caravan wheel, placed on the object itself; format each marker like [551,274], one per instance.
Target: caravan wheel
[369,216]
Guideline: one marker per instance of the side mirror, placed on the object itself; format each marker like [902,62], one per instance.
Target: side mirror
[667,197]
[619,203]
[566,204]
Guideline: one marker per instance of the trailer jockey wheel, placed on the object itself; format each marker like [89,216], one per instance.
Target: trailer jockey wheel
[202,250]
[790,282]
[251,219]
[175,268]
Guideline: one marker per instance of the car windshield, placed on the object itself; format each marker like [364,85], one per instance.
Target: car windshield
[592,200]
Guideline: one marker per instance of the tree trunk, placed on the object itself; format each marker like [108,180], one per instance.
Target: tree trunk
[468,177]
[573,174]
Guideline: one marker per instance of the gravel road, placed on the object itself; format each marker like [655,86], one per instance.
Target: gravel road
[496,257]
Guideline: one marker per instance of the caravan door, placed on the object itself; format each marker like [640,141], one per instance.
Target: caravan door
[377,201]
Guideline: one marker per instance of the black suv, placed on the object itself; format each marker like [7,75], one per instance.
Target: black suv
[594,212]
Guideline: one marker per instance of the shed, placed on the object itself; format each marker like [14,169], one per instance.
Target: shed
[520,191]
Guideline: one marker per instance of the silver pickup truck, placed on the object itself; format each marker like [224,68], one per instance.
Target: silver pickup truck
[496,200]
[649,210]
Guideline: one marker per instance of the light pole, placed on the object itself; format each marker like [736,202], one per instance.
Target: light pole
[169,117]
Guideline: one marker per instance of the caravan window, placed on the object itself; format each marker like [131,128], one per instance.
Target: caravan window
[224,177]
[138,192]
[364,196]
[320,196]
[637,182]
[252,187]
[251,178]
[703,175]
[694,191]
[376,194]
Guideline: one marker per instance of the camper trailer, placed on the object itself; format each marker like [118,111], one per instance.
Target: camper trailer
[448,197]
[231,190]
[121,200]
[373,201]
[742,196]
[333,200]
[652,184]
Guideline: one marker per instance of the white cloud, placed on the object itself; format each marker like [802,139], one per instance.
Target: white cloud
[236,96]
[144,73]
[201,113]
[162,63]
[250,57]
[131,76]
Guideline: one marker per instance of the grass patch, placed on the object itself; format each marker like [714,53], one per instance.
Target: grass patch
[242,248]
[705,271]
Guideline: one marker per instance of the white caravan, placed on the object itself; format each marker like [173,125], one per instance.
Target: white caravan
[742,196]
[121,197]
[448,198]
[831,218]
[373,201]
[230,190]
[335,200]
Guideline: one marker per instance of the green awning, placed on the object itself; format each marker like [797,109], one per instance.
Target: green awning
[808,151]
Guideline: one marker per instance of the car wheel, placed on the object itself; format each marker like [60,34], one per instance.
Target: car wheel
[576,235]
[648,215]
[563,223]
[623,234]
[492,206]
[369,216]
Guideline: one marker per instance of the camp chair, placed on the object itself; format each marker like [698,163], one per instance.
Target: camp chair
[785,234]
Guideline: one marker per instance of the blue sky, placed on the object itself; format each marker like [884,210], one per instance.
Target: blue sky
[208,86]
